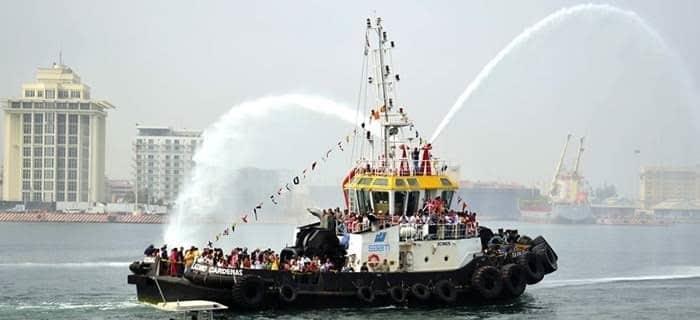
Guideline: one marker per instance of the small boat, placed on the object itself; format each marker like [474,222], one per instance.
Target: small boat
[401,238]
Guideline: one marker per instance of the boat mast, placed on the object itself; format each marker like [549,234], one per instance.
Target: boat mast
[383,71]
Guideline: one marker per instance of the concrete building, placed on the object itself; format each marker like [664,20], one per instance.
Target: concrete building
[119,190]
[162,160]
[54,140]
[659,184]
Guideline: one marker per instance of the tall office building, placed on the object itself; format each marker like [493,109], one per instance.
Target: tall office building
[54,140]
[163,158]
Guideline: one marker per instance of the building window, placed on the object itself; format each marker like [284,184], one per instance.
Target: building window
[37,174]
[27,151]
[38,152]
[38,139]
[72,163]
[49,140]
[27,139]
[48,174]
[15,105]
[61,151]
[72,175]
[71,196]
[27,128]
[26,163]
[29,93]
[72,140]
[26,174]
[72,186]
[73,152]
[73,106]
[38,163]
[75,94]
[62,94]
[26,105]
[48,185]
[48,163]
[84,106]
[50,94]
[37,185]
[26,185]
[61,105]
[39,93]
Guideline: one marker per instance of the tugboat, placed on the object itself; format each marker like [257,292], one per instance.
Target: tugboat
[398,243]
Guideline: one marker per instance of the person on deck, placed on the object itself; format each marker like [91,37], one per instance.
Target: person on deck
[173,262]
[415,156]
[189,258]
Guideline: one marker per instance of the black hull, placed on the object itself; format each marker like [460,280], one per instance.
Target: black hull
[288,290]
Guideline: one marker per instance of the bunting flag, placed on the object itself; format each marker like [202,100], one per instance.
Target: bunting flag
[417,134]
[296,180]
[459,200]
[210,244]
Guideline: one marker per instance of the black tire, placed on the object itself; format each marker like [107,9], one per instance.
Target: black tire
[420,291]
[397,294]
[540,240]
[532,265]
[487,282]
[445,291]
[288,293]
[249,292]
[365,294]
[514,280]
[549,259]
[139,268]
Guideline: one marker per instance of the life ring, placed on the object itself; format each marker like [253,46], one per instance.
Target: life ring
[249,292]
[514,282]
[532,265]
[445,291]
[397,294]
[487,282]
[365,294]
[420,291]
[549,259]
[287,293]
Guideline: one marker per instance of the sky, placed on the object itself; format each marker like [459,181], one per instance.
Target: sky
[185,63]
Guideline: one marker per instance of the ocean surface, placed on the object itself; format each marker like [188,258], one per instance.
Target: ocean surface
[78,271]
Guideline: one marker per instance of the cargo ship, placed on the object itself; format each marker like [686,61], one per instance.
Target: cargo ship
[567,199]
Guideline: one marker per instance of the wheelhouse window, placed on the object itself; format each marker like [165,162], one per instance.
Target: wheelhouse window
[380,200]
[447,197]
[399,202]
[363,201]
[412,204]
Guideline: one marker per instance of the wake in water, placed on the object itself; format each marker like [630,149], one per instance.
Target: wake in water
[548,23]
[51,265]
[678,273]
[210,190]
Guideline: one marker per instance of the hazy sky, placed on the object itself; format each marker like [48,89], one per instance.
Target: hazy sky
[184,63]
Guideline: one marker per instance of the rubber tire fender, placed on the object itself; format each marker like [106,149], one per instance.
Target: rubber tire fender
[532,265]
[287,293]
[540,240]
[365,294]
[445,291]
[397,294]
[420,291]
[514,280]
[487,282]
[549,259]
[249,292]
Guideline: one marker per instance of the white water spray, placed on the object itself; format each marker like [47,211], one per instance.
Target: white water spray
[538,28]
[206,197]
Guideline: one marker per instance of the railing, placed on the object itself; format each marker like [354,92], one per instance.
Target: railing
[422,232]
[402,167]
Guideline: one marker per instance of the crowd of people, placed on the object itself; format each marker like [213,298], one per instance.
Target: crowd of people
[177,261]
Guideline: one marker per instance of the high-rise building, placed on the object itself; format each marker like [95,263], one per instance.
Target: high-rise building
[659,184]
[55,140]
[163,158]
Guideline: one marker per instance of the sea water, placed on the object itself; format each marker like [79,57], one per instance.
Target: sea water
[78,271]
